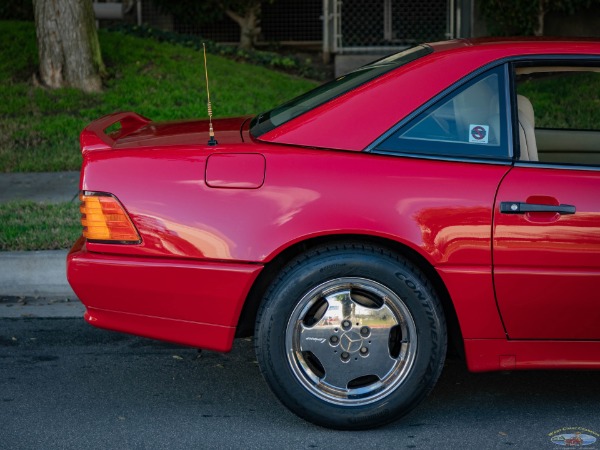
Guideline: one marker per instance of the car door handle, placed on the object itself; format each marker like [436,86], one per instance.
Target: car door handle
[522,208]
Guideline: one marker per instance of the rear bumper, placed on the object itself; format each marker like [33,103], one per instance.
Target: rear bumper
[188,302]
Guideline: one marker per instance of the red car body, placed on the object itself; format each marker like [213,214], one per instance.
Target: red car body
[217,223]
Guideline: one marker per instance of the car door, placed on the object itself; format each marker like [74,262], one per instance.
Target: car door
[546,235]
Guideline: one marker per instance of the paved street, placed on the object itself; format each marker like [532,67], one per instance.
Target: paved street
[64,384]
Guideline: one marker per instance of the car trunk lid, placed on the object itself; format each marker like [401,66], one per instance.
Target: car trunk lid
[136,131]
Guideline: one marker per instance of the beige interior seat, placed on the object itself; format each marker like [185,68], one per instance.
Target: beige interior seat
[526,129]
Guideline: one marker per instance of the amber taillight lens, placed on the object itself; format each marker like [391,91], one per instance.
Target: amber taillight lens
[104,219]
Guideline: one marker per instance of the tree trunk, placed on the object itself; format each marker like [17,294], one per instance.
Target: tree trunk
[68,46]
[249,25]
[539,28]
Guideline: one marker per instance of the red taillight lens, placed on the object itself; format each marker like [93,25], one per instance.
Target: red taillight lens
[104,219]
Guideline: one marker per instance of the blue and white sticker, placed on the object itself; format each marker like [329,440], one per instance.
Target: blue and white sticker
[479,134]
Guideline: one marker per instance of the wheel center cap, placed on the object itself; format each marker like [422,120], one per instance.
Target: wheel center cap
[351,341]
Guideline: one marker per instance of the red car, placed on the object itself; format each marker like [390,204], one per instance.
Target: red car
[445,195]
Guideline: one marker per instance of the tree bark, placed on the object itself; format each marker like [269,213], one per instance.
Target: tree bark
[68,47]
[249,25]
[539,26]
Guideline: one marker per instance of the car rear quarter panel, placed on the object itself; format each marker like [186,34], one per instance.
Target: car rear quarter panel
[442,210]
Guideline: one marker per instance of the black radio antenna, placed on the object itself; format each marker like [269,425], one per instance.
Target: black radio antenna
[211,133]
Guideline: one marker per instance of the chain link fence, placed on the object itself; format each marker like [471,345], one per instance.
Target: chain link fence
[378,25]
[283,21]
[336,26]
[357,24]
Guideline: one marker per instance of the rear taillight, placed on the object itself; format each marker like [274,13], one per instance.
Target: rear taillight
[104,219]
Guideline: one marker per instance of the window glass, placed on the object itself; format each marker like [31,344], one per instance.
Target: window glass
[559,113]
[562,99]
[467,123]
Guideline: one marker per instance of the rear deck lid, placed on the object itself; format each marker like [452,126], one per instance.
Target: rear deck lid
[130,130]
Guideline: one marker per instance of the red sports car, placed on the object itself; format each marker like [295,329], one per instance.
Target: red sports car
[445,195]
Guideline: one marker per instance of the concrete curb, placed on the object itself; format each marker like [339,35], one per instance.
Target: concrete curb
[34,283]
[34,274]
[33,307]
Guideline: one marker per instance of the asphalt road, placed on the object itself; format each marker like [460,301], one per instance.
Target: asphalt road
[64,384]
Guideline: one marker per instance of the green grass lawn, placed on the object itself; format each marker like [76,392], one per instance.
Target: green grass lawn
[26,225]
[39,128]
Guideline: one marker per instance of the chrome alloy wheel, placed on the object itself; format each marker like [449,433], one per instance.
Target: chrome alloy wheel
[351,341]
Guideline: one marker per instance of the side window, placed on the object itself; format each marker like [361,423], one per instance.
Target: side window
[466,123]
[559,113]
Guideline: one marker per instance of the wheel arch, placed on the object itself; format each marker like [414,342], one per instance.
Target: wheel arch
[247,319]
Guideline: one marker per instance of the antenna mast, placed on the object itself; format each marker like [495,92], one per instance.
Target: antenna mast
[211,133]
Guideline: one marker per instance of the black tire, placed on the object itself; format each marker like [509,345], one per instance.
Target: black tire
[356,375]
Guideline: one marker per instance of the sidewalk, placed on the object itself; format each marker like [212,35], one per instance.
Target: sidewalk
[34,284]
[46,187]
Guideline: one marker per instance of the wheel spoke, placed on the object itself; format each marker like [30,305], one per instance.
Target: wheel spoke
[350,340]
